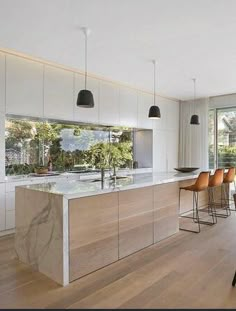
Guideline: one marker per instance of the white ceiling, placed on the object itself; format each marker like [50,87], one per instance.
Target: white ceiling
[188,38]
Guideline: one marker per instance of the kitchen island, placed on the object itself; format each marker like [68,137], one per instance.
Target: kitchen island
[69,229]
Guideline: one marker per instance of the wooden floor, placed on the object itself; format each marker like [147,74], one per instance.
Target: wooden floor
[185,271]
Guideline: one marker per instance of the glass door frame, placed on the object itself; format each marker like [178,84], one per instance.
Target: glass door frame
[215,122]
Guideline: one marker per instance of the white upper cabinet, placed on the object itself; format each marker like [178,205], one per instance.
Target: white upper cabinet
[173,115]
[2,83]
[58,93]
[145,101]
[89,115]
[24,87]
[172,149]
[109,112]
[128,107]
[161,123]
[160,159]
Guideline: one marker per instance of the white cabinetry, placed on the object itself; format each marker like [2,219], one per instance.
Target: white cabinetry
[2,83]
[24,87]
[173,115]
[172,149]
[86,114]
[145,101]
[109,112]
[58,93]
[2,207]
[128,107]
[160,160]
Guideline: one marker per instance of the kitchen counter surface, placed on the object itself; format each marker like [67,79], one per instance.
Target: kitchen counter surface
[81,188]
[87,175]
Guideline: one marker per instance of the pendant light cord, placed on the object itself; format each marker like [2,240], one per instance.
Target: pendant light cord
[194,92]
[86,43]
[154,89]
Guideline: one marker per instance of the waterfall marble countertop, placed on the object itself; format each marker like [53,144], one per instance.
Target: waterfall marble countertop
[77,188]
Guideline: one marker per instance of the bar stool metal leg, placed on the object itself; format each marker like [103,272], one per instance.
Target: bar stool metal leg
[234,279]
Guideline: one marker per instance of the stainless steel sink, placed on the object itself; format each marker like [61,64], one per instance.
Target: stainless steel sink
[110,178]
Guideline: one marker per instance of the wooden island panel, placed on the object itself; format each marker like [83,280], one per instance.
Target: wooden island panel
[166,222]
[93,233]
[135,220]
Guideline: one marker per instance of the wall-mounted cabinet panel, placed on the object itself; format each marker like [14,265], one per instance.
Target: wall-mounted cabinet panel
[2,208]
[2,83]
[10,201]
[160,160]
[172,149]
[24,87]
[128,107]
[145,101]
[161,123]
[109,112]
[88,115]
[172,115]
[10,219]
[58,93]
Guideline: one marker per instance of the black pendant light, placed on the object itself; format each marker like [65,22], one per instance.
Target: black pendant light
[194,118]
[85,97]
[154,111]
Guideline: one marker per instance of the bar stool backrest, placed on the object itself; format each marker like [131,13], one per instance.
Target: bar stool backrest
[229,177]
[202,181]
[217,179]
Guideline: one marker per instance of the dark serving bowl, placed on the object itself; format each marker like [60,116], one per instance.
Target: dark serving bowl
[186,169]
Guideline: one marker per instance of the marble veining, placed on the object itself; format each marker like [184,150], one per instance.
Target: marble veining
[40,232]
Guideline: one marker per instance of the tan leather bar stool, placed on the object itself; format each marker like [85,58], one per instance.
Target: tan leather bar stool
[201,184]
[228,179]
[215,181]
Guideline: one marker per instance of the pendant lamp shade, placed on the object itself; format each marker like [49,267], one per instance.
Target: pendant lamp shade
[85,97]
[194,118]
[154,111]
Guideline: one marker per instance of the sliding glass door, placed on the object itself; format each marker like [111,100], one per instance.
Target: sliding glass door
[222,137]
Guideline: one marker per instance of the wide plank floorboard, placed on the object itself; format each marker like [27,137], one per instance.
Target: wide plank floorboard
[185,271]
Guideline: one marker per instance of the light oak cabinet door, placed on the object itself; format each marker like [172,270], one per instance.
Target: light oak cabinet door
[166,221]
[145,101]
[24,87]
[128,107]
[89,115]
[2,208]
[58,93]
[135,220]
[93,233]
[109,112]
[2,83]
